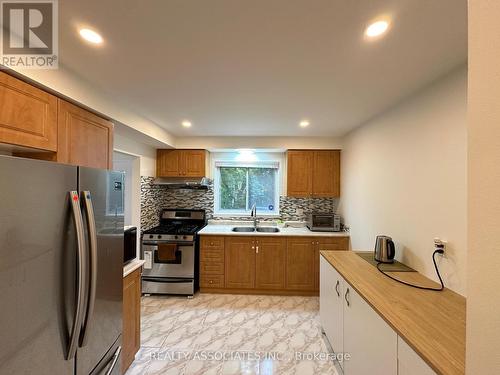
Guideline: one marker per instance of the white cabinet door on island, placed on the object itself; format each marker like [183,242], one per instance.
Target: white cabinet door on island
[368,339]
[409,362]
[331,295]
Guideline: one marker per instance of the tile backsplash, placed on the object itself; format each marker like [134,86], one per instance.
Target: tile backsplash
[154,198]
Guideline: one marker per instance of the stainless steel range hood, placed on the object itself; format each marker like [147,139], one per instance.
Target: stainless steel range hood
[193,183]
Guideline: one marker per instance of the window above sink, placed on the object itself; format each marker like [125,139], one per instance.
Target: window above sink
[240,184]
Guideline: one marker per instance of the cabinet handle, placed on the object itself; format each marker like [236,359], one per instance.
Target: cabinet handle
[253,247]
[312,242]
[337,288]
[211,244]
[211,281]
[346,297]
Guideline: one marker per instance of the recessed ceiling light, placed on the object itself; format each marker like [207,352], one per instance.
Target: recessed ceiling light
[186,124]
[376,29]
[304,124]
[91,36]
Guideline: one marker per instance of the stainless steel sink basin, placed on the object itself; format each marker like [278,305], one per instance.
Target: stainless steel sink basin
[268,229]
[243,229]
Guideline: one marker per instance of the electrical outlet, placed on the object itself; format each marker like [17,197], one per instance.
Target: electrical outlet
[440,244]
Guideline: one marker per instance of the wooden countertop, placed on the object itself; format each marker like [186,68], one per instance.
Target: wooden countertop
[432,323]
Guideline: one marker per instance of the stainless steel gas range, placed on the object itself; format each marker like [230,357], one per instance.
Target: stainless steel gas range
[171,252]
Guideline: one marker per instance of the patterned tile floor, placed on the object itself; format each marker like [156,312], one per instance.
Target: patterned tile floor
[231,334]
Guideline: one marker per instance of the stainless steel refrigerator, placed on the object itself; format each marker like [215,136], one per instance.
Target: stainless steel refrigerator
[61,268]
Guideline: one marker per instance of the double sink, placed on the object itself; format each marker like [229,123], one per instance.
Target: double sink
[258,229]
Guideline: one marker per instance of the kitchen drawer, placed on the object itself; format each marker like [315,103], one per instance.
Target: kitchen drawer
[211,268]
[212,255]
[214,281]
[341,243]
[212,242]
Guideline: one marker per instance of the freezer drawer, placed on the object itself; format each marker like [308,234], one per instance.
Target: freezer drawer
[111,362]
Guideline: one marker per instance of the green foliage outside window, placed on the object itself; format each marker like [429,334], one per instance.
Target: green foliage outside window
[241,187]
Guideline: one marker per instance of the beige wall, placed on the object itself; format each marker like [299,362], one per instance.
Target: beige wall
[483,275]
[69,84]
[123,142]
[404,175]
[259,142]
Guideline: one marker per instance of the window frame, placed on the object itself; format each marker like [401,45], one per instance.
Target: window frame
[272,164]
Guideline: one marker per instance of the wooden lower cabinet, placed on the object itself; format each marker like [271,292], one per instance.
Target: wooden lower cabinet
[131,339]
[240,262]
[263,264]
[270,263]
[301,265]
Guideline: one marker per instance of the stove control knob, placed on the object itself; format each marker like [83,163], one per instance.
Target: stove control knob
[176,237]
[159,236]
[151,236]
[184,237]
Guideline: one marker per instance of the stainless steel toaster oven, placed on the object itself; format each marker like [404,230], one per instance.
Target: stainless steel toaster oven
[323,222]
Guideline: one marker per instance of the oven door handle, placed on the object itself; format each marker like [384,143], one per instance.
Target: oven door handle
[165,280]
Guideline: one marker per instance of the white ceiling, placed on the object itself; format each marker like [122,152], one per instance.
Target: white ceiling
[257,67]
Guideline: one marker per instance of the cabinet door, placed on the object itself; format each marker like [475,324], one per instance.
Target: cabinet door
[83,138]
[270,267]
[301,264]
[168,163]
[131,317]
[28,115]
[240,262]
[409,362]
[299,173]
[193,163]
[369,340]
[331,309]
[326,174]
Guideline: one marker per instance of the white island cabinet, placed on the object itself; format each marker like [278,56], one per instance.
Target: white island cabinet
[331,308]
[352,327]
[368,339]
[409,362]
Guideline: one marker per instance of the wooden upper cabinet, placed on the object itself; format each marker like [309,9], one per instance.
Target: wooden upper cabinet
[28,115]
[270,262]
[84,138]
[313,173]
[299,173]
[326,174]
[168,163]
[180,163]
[194,163]
[240,262]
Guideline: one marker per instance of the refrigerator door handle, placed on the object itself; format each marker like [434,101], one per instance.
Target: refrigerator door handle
[114,361]
[89,211]
[80,239]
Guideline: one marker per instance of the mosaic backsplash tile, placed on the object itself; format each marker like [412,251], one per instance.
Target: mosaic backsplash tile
[155,197]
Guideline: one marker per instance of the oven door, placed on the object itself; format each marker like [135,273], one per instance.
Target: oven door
[169,259]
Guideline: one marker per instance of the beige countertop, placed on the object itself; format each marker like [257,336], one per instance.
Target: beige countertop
[432,323]
[132,266]
[226,230]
